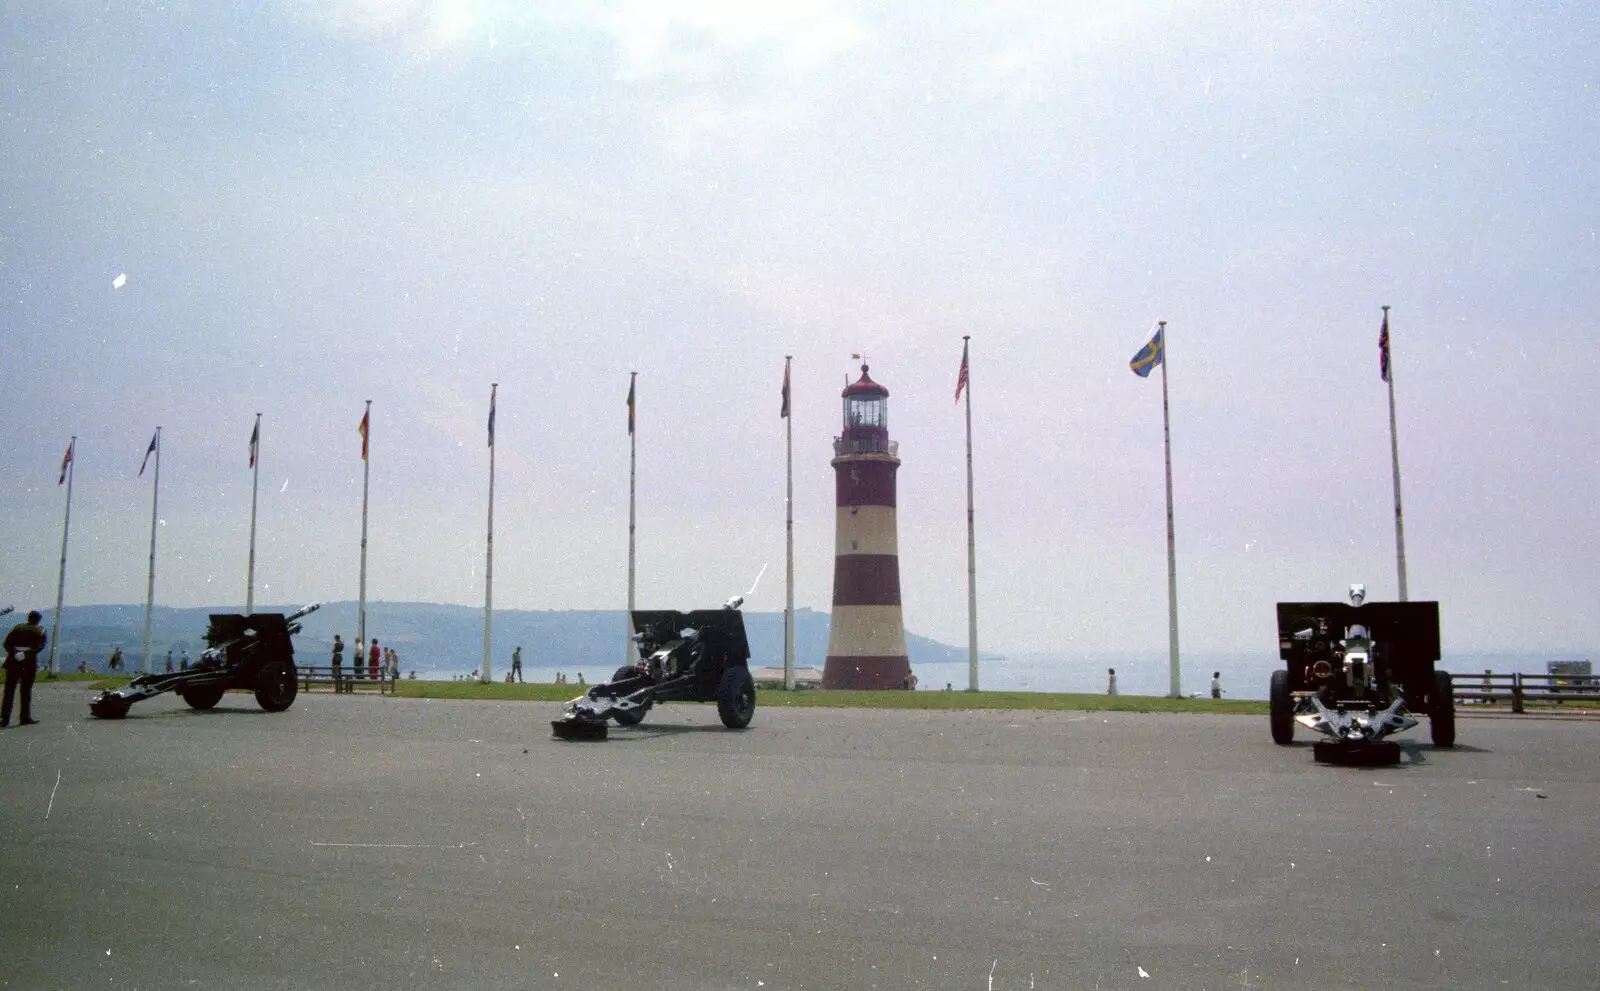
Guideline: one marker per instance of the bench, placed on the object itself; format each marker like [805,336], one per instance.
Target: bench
[321,675]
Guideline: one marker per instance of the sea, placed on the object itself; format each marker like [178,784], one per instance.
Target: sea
[1243,676]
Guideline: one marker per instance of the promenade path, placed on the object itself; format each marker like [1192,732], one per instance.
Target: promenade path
[358,842]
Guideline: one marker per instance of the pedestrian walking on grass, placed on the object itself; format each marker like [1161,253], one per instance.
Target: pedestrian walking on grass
[516,662]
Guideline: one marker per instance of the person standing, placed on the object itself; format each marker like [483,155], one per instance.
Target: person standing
[115,664]
[374,655]
[338,664]
[516,662]
[1111,681]
[1216,684]
[22,646]
[183,659]
[355,663]
[169,660]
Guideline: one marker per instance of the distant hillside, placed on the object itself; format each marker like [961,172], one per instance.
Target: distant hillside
[439,639]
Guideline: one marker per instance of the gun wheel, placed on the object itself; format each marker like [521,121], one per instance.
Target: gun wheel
[1384,753]
[203,696]
[631,717]
[1280,709]
[276,686]
[736,698]
[1442,710]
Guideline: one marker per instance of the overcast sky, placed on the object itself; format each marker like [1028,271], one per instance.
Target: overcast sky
[316,204]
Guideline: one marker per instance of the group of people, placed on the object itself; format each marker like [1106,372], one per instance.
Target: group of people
[379,660]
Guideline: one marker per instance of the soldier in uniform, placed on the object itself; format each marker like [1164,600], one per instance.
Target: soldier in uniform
[22,646]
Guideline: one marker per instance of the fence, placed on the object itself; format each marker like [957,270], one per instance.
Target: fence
[1521,689]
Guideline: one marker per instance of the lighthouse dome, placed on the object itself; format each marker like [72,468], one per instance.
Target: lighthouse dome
[864,386]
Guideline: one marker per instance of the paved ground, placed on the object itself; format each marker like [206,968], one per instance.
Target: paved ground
[357,842]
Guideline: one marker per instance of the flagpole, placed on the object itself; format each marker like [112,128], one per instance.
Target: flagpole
[255,485]
[1394,454]
[61,580]
[150,588]
[972,553]
[488,564]
[633,446]
[788,523]
[1172,555]
[366,472]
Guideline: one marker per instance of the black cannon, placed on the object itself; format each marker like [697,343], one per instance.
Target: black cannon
[1357,674]
[699,656]
[252,652]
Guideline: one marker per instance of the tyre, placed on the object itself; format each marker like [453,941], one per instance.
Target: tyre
[203,696]
[1280,709]
[736,697]
[1442,710]
[276,685]
[633,717]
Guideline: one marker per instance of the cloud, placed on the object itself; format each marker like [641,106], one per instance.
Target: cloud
[423,27]
[651,37]
[657,37]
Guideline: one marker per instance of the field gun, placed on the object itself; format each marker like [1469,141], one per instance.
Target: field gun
[252,652]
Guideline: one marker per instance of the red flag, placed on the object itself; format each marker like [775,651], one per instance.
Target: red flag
[784,410]
[1383,348]
[363,431]
[65,462]
[961,379]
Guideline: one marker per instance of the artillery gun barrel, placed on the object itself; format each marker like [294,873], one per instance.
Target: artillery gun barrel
[7,610]
[294,627]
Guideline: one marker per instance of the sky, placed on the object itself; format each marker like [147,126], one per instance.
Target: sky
[317,204]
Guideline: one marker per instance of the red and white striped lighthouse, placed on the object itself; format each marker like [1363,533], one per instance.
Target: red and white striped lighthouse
[866,640]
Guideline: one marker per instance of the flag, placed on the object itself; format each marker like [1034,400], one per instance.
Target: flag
[65,462]
[362,430]
[1150,355]
[961,377]
[630,405]
[255,443]
[491,416]
[1383,348]
[148,451]
[784,410]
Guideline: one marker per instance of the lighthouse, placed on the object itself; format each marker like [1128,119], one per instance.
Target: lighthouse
[866,640]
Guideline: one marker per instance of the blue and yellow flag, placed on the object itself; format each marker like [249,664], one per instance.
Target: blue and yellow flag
[1149,356]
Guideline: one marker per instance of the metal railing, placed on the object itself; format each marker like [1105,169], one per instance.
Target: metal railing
[347,678]
[1518,690]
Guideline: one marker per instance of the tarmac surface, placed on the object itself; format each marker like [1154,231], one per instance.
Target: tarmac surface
[358,842]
